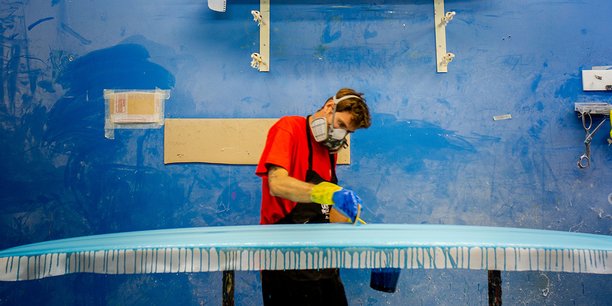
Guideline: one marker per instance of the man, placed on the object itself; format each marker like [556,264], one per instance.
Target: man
[298,171]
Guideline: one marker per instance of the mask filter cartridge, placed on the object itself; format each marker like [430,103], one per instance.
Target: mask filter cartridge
[319,129]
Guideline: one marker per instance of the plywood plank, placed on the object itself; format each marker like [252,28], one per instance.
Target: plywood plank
[220,141]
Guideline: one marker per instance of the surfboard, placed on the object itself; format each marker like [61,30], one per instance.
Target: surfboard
[311,246]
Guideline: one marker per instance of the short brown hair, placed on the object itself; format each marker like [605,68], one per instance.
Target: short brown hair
[356,106]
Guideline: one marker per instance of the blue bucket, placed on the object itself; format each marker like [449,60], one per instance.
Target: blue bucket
[384,279]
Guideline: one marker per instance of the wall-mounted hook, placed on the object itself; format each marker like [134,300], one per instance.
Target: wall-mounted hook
[585,159]
[447,18]
[257,61]
[586,111]
[447,59]
[257,17]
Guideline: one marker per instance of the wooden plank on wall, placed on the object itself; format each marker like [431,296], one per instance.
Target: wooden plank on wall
[220,141]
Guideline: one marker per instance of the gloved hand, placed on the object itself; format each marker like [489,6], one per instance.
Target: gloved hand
[345,201]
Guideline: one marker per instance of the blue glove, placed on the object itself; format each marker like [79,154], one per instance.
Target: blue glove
[347,203]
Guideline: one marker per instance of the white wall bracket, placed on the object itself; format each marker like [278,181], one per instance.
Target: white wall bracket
[441,20]
[261,60]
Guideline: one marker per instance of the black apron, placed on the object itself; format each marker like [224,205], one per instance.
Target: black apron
[310,213]
[305,287]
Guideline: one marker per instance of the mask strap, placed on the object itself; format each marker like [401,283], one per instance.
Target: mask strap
[330,131]
[336,100]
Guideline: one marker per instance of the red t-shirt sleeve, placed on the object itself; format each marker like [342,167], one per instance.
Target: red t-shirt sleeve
[278,150]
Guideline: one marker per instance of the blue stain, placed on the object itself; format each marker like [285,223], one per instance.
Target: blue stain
[328,36]
[39,21]
[571,88]
[539,106]
[12,70]
[46,85]
[124,66]
[369,34]
[414,140]
[536,82]
[512,61]
[73,33]
[536,130]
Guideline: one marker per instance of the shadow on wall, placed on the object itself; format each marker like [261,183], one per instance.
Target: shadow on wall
[108,179]
[62,177]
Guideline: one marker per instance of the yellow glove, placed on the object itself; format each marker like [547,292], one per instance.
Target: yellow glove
[322,193]
[345,201]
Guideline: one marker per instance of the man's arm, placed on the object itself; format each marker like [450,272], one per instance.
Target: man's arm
[284,186]
[343,200]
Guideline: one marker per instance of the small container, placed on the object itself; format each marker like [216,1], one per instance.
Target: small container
[384,279]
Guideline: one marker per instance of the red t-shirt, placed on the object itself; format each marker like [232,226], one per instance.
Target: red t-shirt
[287,147]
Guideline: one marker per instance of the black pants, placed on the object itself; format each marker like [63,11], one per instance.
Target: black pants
[278,288]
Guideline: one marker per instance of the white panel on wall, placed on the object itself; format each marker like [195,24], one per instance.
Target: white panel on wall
[596,80]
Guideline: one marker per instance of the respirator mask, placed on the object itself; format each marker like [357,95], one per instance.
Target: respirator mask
[325,133]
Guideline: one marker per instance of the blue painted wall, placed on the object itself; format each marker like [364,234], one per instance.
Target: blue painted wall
[433,154]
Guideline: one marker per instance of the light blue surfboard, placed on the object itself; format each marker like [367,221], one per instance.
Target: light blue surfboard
[311,246]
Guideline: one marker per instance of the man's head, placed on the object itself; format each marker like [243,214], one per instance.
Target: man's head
[341,114]
[354,103]
[351,106]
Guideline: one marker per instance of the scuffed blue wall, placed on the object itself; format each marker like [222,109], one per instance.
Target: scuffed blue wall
[433,154]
